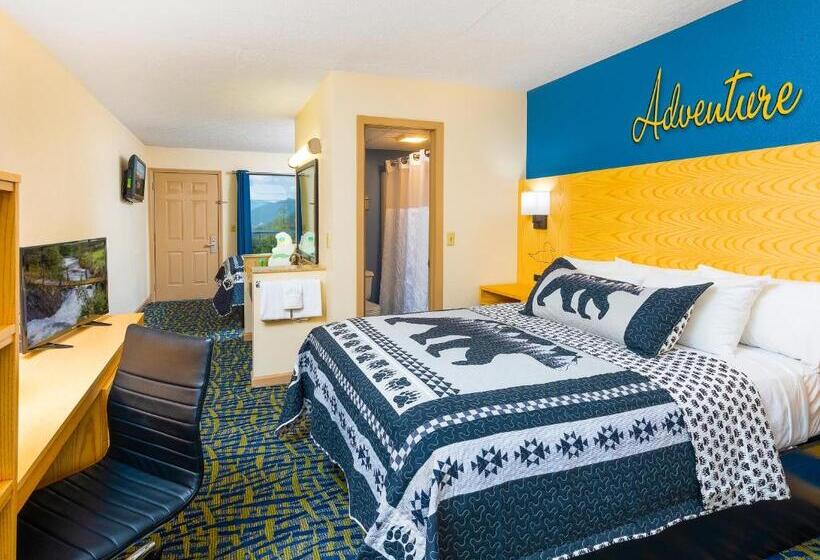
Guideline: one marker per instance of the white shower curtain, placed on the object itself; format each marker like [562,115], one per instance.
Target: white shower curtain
[405,234]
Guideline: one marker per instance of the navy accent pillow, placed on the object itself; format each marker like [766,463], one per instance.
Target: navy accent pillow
[648,321]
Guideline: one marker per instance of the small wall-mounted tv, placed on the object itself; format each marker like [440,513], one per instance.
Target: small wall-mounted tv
[133,184]
[62,286]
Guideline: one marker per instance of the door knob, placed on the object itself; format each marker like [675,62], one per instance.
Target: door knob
[211,244]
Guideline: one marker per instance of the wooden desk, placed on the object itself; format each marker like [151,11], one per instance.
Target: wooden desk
[503,293]
[62,423]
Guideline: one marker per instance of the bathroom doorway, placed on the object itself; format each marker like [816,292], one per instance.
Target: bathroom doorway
[399,207]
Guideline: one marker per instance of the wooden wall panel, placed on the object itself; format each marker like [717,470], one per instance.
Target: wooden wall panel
[539,247]
[9,184]
[8,533]
[756,212]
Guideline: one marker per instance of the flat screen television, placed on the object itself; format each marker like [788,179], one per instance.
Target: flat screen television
[62,286]
[133,184]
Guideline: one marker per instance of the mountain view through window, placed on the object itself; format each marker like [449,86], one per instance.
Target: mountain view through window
[273,209]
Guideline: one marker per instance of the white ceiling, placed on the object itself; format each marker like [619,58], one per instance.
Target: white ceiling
[231,74]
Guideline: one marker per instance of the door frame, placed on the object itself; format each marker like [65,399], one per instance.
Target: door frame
[152,239]
[436,248]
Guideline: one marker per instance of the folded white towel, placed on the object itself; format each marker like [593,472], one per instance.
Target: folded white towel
[293,294]
[311,298]
[272,306]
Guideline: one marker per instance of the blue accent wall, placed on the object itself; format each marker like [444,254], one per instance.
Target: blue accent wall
[583,121]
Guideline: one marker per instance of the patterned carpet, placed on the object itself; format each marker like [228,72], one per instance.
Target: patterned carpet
[263,498]
[809,550]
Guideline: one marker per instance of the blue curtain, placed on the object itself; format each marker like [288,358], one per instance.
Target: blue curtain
[244,237]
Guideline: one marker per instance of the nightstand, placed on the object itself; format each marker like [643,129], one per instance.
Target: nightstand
[503,293]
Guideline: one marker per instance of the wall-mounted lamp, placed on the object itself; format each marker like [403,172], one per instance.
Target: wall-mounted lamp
[305,153]
[537,205]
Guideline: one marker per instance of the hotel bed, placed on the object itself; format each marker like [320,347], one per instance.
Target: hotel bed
[486,433]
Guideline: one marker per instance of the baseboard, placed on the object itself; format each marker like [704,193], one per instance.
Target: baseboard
[271,379]
[247,337]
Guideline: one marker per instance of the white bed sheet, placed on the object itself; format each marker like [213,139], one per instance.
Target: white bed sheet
[789,389]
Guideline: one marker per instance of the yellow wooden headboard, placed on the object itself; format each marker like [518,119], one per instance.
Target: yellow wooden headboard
[756,212]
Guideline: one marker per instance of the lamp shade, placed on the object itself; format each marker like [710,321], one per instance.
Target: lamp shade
[305,153]
[535,203]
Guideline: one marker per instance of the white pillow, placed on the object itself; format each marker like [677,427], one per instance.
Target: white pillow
[784,319]
[615,269]
[719,315]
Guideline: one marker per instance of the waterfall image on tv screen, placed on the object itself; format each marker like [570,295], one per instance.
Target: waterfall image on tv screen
[63,285]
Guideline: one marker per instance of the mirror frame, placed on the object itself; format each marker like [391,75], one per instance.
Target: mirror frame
[315,165]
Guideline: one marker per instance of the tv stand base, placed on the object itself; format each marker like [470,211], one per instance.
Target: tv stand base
[54,345]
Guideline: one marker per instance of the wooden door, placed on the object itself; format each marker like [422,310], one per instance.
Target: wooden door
[186,235]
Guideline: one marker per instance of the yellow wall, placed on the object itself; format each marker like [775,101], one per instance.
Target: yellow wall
[484,146]
[70,151]
[756,212]
[313,120]
[219,160]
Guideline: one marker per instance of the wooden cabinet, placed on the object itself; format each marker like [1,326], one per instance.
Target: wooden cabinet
[490,294]
[250,262]
[9,185]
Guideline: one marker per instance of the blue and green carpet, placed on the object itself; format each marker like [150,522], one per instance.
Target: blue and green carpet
[263,498]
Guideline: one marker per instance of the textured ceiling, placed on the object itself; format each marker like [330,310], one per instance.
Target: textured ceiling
[380,138]
[232,74]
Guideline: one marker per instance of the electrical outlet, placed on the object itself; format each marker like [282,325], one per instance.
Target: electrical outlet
[233,228]
[451,238]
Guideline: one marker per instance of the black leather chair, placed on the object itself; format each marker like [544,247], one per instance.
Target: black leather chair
[154,465]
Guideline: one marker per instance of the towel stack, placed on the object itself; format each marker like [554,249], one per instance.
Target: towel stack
[292,298]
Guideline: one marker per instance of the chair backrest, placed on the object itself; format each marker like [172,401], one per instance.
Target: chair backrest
[155,404]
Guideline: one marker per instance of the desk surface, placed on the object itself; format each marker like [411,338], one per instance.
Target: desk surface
[57,385]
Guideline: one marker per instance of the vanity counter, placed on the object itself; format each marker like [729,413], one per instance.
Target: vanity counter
[287,268]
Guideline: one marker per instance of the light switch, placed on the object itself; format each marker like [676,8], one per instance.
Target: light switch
[233,228]
[451,238]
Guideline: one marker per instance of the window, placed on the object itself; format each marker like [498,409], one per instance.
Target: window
[273,209]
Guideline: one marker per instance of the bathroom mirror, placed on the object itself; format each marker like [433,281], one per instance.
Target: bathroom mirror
[307,215]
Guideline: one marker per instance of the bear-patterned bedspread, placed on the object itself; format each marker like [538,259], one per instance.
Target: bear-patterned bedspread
[484,433]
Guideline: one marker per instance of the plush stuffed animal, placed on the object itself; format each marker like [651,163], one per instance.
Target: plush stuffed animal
[280,255]
[307,244]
